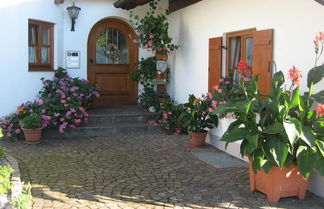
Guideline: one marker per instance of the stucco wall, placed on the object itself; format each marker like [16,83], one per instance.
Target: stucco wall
[295,24]
[92,12]
[17,85]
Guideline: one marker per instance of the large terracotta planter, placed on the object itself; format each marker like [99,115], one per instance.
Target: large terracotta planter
[284,182]
[33,136]
[197,139]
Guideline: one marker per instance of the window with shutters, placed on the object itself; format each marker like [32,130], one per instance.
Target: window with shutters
[254,47]
[40,45]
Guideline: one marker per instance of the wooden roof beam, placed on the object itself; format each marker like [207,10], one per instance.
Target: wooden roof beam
[58,1]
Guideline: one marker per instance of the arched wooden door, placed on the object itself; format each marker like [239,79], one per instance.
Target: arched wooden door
[112,56]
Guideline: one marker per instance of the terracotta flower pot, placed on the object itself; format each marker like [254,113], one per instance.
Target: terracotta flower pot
[197,139]
[33,136]
[284,182]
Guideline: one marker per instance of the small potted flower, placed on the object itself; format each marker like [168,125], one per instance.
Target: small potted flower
[196,119]
[32,128]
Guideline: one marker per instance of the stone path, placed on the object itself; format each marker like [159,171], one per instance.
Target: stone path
[135,172]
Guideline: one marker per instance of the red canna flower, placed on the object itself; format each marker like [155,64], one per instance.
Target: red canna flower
[242,66]
[295,76]
[320,110]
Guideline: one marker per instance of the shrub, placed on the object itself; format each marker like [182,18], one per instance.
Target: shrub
[168,118]
[65,100]
[61,103]
[10,127]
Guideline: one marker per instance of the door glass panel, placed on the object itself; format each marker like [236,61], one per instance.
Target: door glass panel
[45,36]
[111,47]
[235,57]
[249,50]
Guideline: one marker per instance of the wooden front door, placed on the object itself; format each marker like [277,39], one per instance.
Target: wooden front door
[112,56]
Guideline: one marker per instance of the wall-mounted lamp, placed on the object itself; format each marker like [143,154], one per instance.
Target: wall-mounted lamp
[74,13]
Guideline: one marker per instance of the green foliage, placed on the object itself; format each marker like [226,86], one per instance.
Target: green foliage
[24,200]
[169,118]
[5,179]
[287,131]
[149,98]
[152,30]
[146,71]
[315,75]
[1,133]
[196,117]
[2,152]
[144,75]
[32,121]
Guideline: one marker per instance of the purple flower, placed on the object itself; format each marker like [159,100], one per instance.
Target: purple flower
[46,117]
[56,114]
[40,102]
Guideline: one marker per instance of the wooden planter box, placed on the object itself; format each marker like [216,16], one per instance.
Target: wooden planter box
[278,182]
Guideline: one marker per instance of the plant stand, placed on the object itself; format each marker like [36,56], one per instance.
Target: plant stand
[278,182]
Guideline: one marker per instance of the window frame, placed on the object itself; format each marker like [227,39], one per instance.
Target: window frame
[38,46]
[243,34]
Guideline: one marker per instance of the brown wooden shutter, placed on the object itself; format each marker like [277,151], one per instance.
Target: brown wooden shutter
[215,62]
[262,58]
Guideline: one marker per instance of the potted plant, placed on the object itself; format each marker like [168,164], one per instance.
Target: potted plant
[32,128]
[152,32]
[196,119]
[281,134]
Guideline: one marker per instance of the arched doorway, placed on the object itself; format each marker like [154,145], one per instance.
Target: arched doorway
[112,56]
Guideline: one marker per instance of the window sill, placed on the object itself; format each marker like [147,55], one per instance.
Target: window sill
[40,69]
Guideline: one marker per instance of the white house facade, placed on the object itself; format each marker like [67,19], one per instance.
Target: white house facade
[294,24]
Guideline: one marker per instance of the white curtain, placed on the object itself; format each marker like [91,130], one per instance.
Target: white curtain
[44,54]
[32,41]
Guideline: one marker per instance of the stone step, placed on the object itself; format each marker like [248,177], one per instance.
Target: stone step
[135,118]
[103,130]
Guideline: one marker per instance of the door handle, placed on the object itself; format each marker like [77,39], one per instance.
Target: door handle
[91,63]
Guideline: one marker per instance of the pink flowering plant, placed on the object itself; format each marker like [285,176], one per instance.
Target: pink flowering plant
[169,119]
[62,103]
[282,128]
[66,100]
[197,117]
[152,31]
[229,91]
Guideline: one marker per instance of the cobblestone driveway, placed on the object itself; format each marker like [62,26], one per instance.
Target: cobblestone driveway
[135,172]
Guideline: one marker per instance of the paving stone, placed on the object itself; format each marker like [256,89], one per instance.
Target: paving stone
[150,171]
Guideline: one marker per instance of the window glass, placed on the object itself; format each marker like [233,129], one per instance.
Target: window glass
[249,50]
[235,56]
[45,55]
[111,47]
[45,36]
